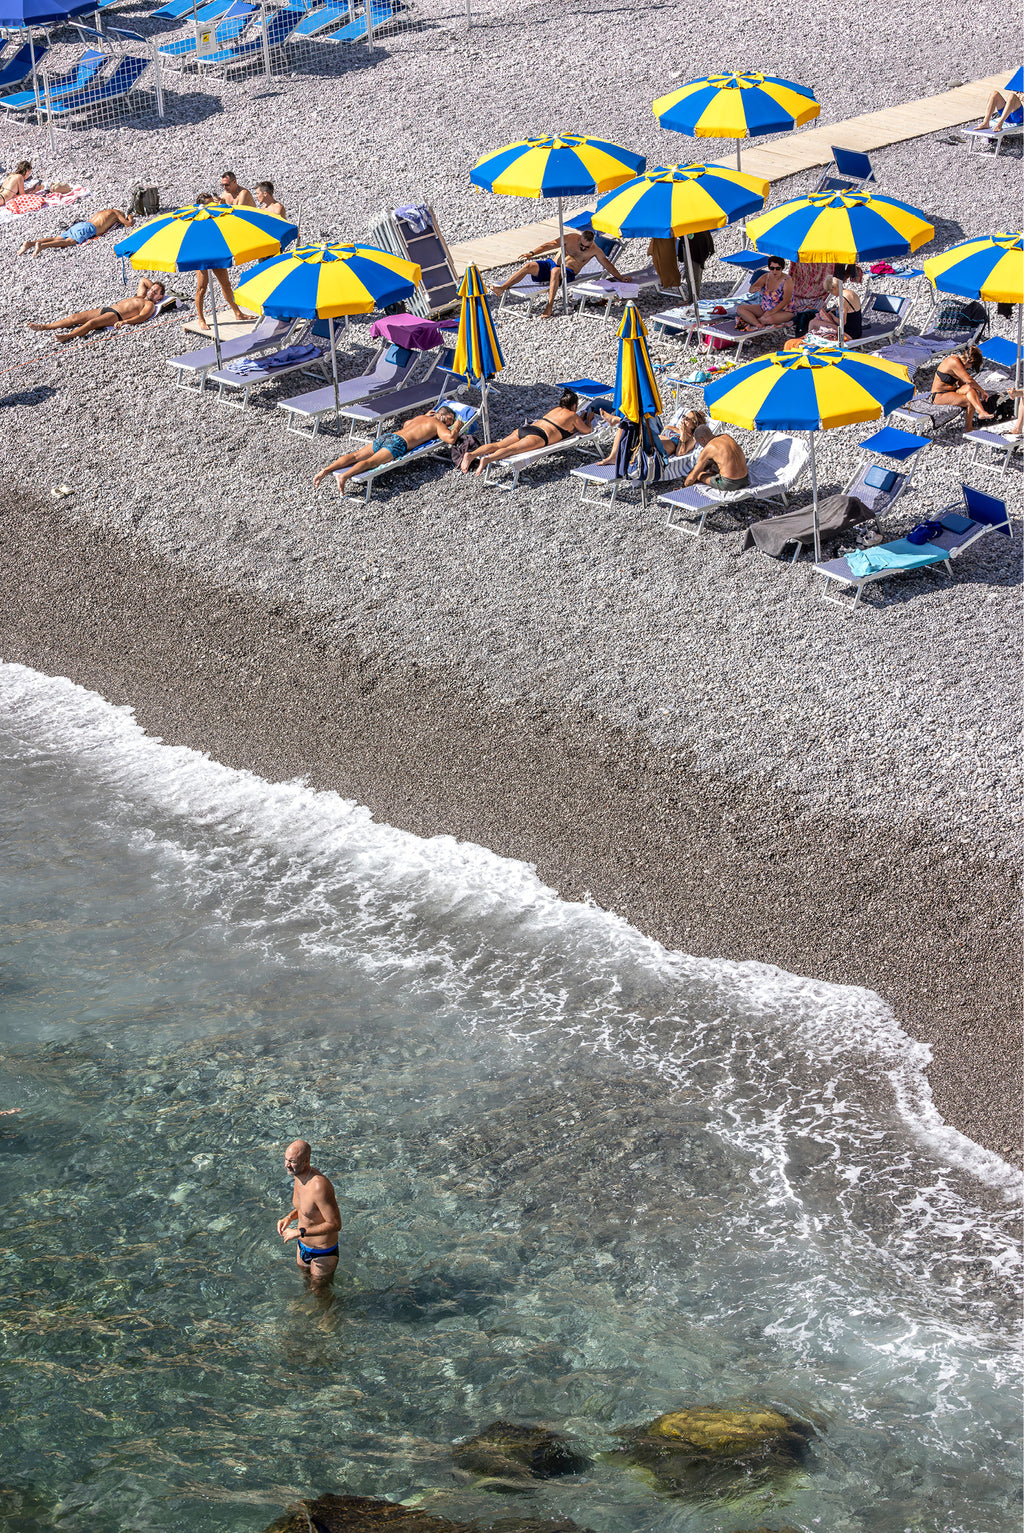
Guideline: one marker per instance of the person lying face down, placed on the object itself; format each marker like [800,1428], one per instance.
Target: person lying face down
[129,311]
[561,422]
[441,424]
[580,247]
[720,465]
[77,233]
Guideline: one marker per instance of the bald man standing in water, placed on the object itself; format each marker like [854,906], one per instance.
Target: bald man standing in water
[316,1215]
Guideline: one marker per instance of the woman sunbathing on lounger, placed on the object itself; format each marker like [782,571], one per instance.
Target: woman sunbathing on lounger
[579,249]
[691,432]
[555,426]
[130,311]
[954,384]
[442,424]
[775,291]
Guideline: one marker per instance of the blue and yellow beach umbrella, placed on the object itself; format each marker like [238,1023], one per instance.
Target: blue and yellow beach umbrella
[840,226]
[477,348]
[809,391]
[990,268]
[736,106]
[672,200]
[205,238]
[636,388]
[562,165]
[325,281]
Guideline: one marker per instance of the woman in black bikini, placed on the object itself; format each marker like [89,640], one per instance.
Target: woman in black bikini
[954,384]
[555,426]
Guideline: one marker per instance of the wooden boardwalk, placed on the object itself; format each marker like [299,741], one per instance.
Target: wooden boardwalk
[783,157]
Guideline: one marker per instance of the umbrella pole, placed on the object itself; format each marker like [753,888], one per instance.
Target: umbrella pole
[483,410]
[693,285]
[814,497]
[561,244]
[334,368]
[213,316]
[1020,337]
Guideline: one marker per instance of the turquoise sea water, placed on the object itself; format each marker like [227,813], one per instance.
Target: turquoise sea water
[583,1180]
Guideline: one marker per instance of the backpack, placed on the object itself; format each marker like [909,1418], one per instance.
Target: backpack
[143,201]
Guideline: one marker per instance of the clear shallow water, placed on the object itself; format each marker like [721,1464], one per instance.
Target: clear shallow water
[582,1180]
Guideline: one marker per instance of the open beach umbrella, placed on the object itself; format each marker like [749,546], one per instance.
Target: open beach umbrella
[477,348]
[736,106]
[840,226]
[206,238]
[326,281]
[564,165]
[809,391]
[673,200]
[1016,81]
[990,268]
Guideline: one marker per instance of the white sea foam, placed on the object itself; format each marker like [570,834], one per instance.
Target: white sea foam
[777,1058]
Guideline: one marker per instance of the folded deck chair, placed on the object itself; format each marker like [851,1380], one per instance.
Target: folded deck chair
[995,441]
[19,66]
[848,171]
[391,367]
[85,71]
[192,366]
[230,28]
[417,394]
[962,526]
[279,25]
[102,92]
[381,12]
[322,19]
[779,464]
[426,450]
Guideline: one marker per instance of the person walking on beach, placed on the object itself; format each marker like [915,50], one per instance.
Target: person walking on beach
[203,199]
[315,1214]
[78,233]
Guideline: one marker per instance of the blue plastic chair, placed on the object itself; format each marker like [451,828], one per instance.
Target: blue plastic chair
[88,67]
[19,66]
[848,172]
[115,89]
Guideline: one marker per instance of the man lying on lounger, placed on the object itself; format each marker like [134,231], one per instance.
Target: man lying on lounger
[721,465]
[579,249]
[77,234]
[442,425]
[130,311]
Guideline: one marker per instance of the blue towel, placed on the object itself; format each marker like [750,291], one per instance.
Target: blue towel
[893,556]
[286,358]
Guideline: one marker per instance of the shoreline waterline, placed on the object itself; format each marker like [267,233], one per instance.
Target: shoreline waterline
[702,865]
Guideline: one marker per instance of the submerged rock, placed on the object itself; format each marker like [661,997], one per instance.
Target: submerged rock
[512,1456]
[364,1514]
[705,1450]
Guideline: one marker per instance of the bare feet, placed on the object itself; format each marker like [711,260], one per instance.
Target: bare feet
[201,322]
[26,246]
[546,314]
[239,315]
[467,462]
[34,325]
[61,339]
[479,469]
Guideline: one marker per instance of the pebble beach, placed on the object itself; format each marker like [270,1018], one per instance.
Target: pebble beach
[679,729]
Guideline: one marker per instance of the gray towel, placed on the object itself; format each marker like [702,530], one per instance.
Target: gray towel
[835,515]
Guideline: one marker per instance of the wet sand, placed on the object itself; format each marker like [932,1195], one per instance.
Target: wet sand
[702,864]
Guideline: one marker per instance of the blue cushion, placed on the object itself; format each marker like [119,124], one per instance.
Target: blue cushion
[954,522]
[398,354]
[880,478]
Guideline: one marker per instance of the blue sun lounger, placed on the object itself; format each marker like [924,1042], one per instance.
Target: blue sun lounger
[325,16]
[120,84]
[19,66]
[232,26]
[86,70]
[380,14]
[984,514]
[279,25]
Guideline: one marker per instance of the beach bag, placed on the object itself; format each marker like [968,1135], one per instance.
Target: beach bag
[143,201]
[718,343]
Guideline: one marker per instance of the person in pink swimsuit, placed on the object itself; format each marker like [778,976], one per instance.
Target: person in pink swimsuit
[775,292]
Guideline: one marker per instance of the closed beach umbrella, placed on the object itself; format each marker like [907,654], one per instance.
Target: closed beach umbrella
[564,165]
[674,200]
[477,348]
[206,238]
[809,391]
[990,268]
[840,226]
[636,387]
[326,281]
[736,106]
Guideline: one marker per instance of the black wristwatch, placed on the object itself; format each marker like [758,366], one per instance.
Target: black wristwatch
[301,1230]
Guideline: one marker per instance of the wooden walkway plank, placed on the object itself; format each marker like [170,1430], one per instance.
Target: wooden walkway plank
[784,157]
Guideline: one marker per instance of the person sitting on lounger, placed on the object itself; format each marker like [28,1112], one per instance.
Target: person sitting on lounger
[130,311]
[720,465]
[77,234]
[442,424]
[1010,109]
[775,292]
[692,432]
[267,201]
[954,384]
[558,424]
[826,322]
[580,247]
